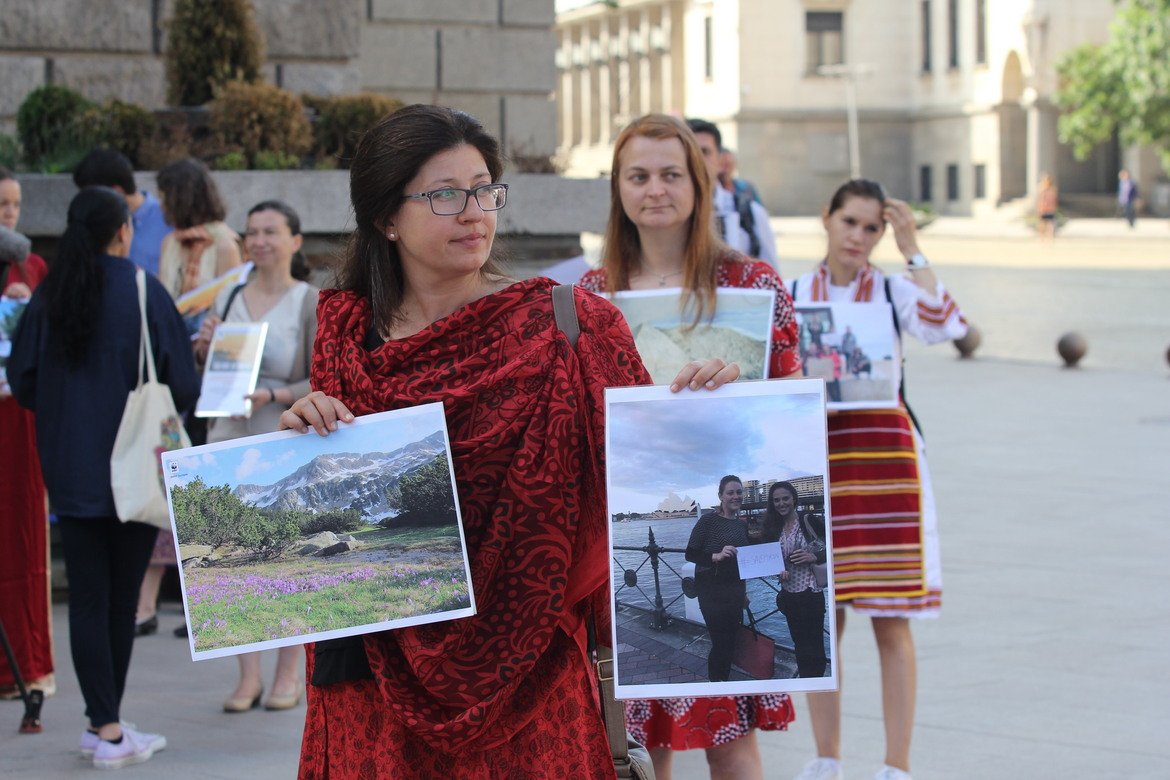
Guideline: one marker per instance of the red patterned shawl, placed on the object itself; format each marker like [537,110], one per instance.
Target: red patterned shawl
[525,414]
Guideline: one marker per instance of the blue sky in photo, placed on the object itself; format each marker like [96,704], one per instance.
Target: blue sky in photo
[686,444]
[267,461]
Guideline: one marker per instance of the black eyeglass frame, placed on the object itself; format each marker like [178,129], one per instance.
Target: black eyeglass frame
[467,193]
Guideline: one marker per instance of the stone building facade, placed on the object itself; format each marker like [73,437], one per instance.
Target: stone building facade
[492,58]
[953,97]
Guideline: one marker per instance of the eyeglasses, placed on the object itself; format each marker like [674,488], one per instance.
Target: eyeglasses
[450,201]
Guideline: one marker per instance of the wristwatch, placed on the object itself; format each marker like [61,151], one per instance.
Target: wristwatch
[918,260]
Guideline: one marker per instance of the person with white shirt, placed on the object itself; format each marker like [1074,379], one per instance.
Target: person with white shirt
[755,240]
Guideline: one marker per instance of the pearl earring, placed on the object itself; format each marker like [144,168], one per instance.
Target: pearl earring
[391,235]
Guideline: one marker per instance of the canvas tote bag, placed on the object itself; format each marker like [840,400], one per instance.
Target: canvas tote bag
[150,426]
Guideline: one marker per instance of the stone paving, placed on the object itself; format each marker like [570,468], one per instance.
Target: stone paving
[1049,660]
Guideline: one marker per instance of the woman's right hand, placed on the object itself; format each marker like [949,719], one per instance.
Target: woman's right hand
[802,556]
[316,410]
[203,338]
[727,553]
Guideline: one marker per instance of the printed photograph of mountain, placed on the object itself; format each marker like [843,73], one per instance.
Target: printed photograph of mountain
[286,538]
[667,336]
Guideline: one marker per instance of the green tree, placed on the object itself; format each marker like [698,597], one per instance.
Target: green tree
[209,43]
[1122,86]
[427,498]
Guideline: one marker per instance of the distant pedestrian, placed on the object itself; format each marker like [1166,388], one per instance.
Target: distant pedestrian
[1127,195]
[1047,200]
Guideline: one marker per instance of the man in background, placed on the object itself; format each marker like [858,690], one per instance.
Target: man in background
[1127,195]
[110,168]
[743,226]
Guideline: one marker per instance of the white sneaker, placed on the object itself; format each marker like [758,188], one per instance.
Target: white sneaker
[134,748]
[90,740]
[821,769]
[892,773]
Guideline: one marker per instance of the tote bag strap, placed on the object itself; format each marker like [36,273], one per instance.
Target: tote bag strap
[144,345]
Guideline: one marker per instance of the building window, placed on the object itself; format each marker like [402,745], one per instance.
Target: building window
[926,36]
[953,33]
[980,181]
[823,39]
[952,182]
[708,49]
[924,178]
[980,32]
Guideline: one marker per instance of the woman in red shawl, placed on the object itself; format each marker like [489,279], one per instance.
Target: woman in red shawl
[423,315]
[24,529]
[659,235]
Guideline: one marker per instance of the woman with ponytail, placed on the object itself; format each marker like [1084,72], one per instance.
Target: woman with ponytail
[75,358]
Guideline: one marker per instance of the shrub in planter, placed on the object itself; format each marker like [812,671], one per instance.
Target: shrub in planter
[259,117]
[210,43]
[342,121]
[49,127]
[126,127]
[9,151]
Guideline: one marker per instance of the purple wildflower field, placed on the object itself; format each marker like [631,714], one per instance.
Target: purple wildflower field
[259,602]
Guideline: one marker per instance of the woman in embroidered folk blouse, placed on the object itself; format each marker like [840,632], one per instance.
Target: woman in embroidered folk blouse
[660,234]
[422,315]
[895,487]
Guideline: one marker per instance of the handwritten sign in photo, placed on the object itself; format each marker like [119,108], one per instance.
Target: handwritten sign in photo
[286,538]
[759,560]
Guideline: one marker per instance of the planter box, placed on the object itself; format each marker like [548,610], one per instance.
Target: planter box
[539,205]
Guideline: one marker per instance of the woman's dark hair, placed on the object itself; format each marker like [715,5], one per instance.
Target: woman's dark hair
[189,194]
[300,266]
[388,156]
[729,478]
[291,217]
[857,188]
[73,286]
[773,522]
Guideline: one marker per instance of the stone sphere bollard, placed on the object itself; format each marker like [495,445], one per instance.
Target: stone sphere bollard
[969,343]
[1072,347]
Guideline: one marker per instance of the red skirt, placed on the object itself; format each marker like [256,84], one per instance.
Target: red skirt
[684,724]
[24,567]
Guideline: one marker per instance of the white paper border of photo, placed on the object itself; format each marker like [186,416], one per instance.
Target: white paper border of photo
[774,388]
[722,294]
[842,310]
[340,445]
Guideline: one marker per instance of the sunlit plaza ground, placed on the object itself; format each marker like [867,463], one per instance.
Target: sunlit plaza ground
[1049,658]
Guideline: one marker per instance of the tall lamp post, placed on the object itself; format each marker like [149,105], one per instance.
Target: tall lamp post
[850,74]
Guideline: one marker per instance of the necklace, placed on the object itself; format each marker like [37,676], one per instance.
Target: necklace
[663,277]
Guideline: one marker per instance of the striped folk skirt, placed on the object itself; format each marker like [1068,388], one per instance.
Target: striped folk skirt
[885,532]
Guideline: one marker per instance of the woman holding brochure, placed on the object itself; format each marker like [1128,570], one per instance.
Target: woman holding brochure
[660,234]
[271,295]
[200,248]
[425,314]
[75,358]
[895,486]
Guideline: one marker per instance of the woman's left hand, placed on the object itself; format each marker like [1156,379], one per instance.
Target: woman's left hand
[709,373]
[901,219]
[261,397]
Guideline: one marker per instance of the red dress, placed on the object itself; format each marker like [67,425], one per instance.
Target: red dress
[683,724]
[509,691]
[24,570]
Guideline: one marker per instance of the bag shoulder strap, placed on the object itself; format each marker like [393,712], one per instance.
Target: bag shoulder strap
[144,345]
[565,312]
[231,299]
[612,711]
